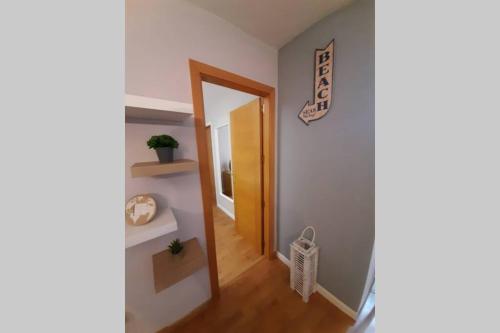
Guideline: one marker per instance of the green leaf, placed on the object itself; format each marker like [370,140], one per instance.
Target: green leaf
[175,246]
[161,141]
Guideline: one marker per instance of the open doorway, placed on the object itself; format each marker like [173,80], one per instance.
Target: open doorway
[251,127]
[234,138]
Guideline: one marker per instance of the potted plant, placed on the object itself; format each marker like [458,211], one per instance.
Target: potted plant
[176,247]
[164,146]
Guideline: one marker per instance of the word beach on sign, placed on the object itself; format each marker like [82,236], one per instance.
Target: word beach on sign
[323,81]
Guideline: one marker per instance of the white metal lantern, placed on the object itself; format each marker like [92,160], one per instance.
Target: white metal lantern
[304,264]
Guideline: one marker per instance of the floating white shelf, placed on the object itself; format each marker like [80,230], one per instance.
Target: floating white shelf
[140,109]
[162,224]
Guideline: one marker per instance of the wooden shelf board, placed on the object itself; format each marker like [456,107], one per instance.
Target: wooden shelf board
[140,109]
[148,169]
[169,269]
[162,224]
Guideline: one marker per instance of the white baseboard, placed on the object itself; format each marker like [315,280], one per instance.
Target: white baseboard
[283,259]
[228,213]
[335,301]
[325,293]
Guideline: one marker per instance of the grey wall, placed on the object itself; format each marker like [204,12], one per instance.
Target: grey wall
[326,170]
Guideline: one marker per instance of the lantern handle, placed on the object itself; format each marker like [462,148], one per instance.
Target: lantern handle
[302,235]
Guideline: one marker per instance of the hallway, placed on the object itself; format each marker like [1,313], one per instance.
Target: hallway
[260,300]
[234,254]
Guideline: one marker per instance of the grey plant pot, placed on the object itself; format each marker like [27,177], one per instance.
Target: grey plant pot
[165,154]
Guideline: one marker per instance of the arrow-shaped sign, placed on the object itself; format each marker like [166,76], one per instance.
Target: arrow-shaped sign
[323,81]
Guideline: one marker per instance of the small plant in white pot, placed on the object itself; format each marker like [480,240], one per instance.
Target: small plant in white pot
[164,146]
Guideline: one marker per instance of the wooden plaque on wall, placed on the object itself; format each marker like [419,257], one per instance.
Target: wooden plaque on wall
[323,86]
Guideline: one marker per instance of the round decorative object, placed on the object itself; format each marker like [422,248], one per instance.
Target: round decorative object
[140,209]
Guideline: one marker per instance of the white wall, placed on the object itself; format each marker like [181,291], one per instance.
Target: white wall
[219,102]
[224,147]
[180,192]
[161,35]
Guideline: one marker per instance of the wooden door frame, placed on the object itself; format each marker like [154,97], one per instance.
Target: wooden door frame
[200,72]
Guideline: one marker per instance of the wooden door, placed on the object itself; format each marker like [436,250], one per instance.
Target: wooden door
[246,153]
[208,132]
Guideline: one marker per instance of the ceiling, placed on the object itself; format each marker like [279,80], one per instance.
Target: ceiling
[275,22]
[223,99]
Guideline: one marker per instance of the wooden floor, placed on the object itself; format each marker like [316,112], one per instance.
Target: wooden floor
[260,300]
[234,254]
